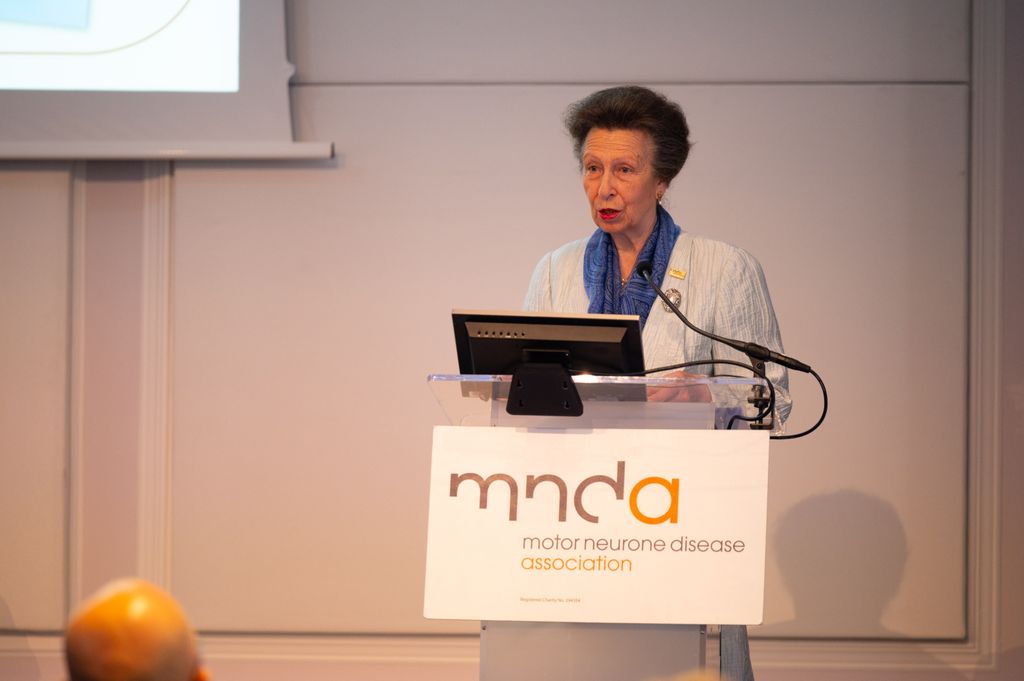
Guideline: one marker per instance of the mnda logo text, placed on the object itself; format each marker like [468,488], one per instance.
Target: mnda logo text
[618,485]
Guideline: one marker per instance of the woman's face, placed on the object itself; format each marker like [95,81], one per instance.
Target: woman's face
[619,179]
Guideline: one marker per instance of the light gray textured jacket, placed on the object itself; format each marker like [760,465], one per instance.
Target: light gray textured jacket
[722,288]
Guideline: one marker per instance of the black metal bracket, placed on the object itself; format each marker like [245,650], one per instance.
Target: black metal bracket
[543,389]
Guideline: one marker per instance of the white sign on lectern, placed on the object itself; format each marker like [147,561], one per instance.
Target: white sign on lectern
[623,525]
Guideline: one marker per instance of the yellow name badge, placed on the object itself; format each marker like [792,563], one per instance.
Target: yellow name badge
[678,274]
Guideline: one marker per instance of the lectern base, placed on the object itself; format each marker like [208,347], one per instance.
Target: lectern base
[556,651]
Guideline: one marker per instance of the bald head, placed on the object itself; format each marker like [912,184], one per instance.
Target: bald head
[131,631]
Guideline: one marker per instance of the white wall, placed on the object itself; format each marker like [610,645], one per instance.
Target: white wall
[227,433]
[408,225]
[34,305]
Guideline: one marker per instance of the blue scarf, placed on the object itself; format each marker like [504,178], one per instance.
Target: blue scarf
[602,279]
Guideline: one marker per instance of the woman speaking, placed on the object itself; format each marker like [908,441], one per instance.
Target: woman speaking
[631,142]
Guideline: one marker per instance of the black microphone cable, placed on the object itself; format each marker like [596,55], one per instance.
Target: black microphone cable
[765,411]
[821,418]
[768,408]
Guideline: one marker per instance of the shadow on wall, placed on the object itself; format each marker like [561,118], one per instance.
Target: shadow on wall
[19,664]
[841,556]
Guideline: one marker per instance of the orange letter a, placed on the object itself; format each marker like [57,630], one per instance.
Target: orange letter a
[671,515]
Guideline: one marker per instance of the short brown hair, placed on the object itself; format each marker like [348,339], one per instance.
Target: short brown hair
[632,107]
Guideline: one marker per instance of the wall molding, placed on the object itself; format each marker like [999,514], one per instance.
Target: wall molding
[16,645]
[76,382]
[350,648]
[986,281]
[155,389]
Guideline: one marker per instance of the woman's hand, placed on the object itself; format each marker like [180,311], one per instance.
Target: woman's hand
[698,392]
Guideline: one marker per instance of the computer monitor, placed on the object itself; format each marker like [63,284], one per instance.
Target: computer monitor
[499,343]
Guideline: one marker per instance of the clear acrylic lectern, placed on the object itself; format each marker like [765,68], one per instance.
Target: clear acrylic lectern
[555,651]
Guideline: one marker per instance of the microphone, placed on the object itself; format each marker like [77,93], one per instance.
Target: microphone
[752,350]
